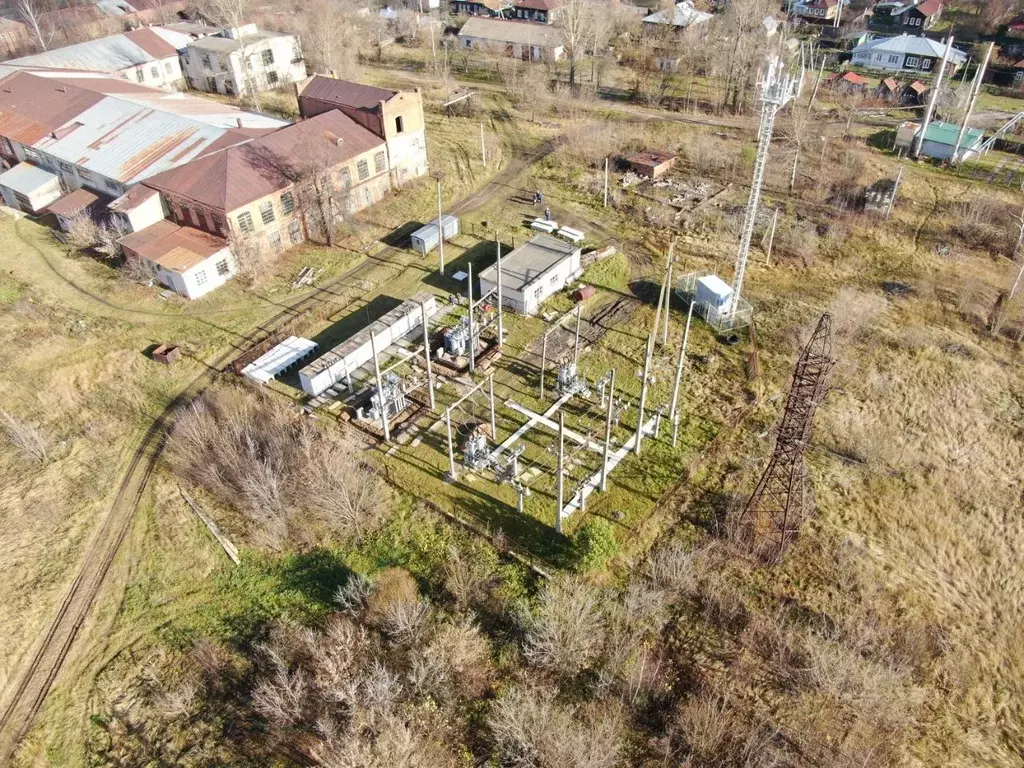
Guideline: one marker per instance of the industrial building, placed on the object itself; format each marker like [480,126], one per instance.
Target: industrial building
[340,363]
[394,116]
[532,272]
[187,261]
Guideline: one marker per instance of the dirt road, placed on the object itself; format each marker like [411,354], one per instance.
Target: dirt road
[22,704]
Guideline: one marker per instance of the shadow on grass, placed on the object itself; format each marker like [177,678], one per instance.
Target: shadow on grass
[399,237]
[882,140]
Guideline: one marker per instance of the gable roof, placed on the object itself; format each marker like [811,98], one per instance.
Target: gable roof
[238,175]
[848,77]
[517,32]
[946,133]
[924,7]
[912,44]
[345,93]
[172,246]
[109,54]
[536,5]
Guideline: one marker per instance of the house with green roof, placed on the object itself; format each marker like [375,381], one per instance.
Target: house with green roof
[940,140]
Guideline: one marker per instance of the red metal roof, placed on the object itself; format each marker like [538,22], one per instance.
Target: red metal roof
[132,199]
[240,174]
[345,93]
[73,203]
[536,5]
[173,247]
[151,43]
[929,7]
[32,106]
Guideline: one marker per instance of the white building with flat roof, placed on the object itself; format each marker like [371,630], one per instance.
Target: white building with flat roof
[531,273]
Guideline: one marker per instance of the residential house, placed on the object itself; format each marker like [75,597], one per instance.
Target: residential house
[680,17]
[913,17]
[847,83]
[106,134]
[940,140]
[148,56]
[516,39]
[186,260]
[905,53]
[496,8]
[214,63]
[538,268]
[816,11]
[541,11]
[394,116]
[276,191]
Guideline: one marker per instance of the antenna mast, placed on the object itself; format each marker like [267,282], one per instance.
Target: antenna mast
[775,89]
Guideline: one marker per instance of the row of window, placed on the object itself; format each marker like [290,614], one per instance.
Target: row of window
[266,56]
[912,62]
[222,270]
[195,217]
[154,72]
[53,164]
[912,21]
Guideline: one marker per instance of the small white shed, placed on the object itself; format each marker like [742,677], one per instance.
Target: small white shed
[424,239]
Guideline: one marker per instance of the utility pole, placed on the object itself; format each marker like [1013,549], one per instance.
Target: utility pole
[472,339]
[576,345]
[673,416]
[817,82]
[440,229]
[426,353]
[494,426]
[643,395]
[975,90]
[501,320]
[606,182]
[380,389]
[543,364]
[483,146]
[919,138]
[453,474]
[661,293]
[771,238]
[668,301]
[839,14]
[608,433]
[561,468]
[895,188]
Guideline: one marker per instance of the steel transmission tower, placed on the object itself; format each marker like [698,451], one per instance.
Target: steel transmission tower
[780,504]
[775,89]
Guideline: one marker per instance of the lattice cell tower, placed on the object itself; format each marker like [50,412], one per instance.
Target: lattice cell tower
[779,505]
[776,87]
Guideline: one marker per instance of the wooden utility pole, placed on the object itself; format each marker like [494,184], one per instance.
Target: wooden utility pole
[895,189]
[673,416]
[643,395]
[771,238]
[608,433]
[483,146]
[453,474]
[606,182]
[668,302]
[817,82]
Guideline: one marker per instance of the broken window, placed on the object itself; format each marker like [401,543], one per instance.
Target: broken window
[267,212]
[245,221]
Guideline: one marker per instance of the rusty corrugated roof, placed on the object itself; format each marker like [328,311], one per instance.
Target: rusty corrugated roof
[73,203]
[231,178]
[173,247]
[345,93]
[31,107]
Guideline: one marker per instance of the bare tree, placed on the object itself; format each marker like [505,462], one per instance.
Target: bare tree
[81,232]
[27,438]
[330,36]
[566,630]
[576,19]
[30,12]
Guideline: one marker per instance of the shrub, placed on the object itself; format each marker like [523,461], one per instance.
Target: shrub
[595,545]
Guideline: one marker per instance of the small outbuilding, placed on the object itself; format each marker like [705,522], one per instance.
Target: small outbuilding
[847,82]
[651,163]
[29,188]
[80,201]
[532,272]
[940,140]
[424,239]
[186,260]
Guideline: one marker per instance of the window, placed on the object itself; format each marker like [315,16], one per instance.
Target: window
[268,57]
[913,61]
[211,84]
[554,280]
[469,43]
[222,268]
[169,68]
[218,224]
[295,232]
[206,60]
[346,178]
[894,59]
[379,164]
[399,124]
[287,203]
[272,77]
[140,75]
[185,213]
[245,222]
[267,212]
[201,277]
[363,168]
[154,72]
[926,63]
[274,238]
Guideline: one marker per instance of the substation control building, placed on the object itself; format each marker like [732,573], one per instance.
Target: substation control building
[425,239]
[532,272]
[341,362]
